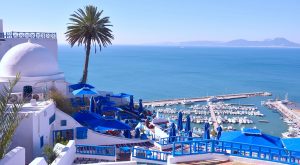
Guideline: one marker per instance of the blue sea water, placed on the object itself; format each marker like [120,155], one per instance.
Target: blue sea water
[153,73]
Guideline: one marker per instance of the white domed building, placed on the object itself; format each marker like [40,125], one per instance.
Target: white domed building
[37,66]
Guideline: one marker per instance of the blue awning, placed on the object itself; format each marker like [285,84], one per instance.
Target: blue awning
[292,144]
[98,123]
[251,131]
[254,139]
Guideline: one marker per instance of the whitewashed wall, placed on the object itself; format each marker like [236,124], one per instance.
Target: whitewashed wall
[34,124]
[71,122]
[67,156]
[39,161]
[14,157]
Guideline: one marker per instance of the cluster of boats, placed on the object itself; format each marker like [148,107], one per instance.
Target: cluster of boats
[293,131]
[220,109]
[220,120]
[225,113]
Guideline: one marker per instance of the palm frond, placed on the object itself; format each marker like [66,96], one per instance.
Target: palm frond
[9,118]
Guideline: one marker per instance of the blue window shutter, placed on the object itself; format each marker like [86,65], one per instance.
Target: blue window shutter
[81,133]
[41,141]
[51,119]
[63,122]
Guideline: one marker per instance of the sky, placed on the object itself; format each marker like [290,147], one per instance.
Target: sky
[158,21]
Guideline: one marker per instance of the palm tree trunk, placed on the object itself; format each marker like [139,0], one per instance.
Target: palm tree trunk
[86,64]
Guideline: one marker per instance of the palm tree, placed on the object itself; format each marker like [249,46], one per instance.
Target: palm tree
[9,119]
[88,28]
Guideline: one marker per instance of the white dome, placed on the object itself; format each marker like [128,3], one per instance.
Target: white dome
[29,59]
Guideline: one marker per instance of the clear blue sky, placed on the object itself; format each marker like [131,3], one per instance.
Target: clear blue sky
[153,21]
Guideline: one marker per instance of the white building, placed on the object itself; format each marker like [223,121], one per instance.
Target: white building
[34,56]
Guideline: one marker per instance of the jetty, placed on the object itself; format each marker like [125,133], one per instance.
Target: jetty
[205,98]
[283,108]
[213,116]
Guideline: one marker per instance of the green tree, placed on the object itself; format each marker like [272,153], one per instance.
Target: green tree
[9,118]
[88,28]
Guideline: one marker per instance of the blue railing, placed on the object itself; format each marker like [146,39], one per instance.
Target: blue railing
[236,149]
[96,150]
[27,35]
[172,139]
[150,154]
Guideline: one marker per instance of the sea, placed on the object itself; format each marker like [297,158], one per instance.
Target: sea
[165,72]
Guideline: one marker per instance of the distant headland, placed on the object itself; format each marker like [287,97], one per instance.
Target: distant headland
[276,42]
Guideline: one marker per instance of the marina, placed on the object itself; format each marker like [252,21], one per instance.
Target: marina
[215,113]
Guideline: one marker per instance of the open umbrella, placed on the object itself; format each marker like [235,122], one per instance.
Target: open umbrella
[172,131]
[141,109]
[179,121]
[84,91]
[92,104]
[80,85]
[219,132]
[206,131]
[188,123]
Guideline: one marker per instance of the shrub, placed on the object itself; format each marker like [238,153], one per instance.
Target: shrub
[62,102]
[49,154]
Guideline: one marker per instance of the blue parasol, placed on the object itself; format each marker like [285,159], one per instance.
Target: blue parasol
[206,131]
[84,91]
[80,85]
[141,109]
[179,121]
[172,133]
[219,132]
[188,123]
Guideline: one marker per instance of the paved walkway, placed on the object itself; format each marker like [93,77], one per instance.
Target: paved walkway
[213,116]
